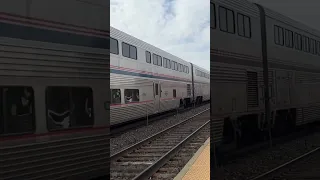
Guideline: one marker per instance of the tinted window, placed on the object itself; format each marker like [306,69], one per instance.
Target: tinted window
[115,96]
[125,50]
[247,27]
[155,59]
[114,48]
[289,38]
[244,25]
[131,95]
[213,22]
[312,46]
[168,63]
[298,41]
[17,106]
[129,51]
[305,44]
[240,25]
[156,88]
[69,107]
[230,16]
[278,35]
[223,19]
[174,93]
[133,52]
[318,47]
[148,57]
[159,61]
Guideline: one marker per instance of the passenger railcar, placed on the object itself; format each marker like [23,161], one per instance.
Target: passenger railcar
[262,63]
[54,85]
[146,80]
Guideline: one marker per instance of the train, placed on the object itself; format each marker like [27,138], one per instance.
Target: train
[54,85]
[145,80]
[265,72]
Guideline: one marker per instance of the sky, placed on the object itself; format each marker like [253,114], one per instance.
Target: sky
[304,11]
[180,27]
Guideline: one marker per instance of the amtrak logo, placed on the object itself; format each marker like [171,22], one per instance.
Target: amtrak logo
[144,94]
[166,93]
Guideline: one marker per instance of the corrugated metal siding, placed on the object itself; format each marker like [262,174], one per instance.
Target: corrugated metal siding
[252,89]
[227,74]
[17,60]
[216,130]
[307,115]
[56,159]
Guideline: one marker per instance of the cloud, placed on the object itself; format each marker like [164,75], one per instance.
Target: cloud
[180,27]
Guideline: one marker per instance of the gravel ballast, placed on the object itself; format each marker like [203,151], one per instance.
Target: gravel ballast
[260,162]
[134,136]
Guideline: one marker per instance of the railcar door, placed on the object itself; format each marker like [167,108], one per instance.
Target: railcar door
[156,94]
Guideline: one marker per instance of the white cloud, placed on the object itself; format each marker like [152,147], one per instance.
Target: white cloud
[180,27]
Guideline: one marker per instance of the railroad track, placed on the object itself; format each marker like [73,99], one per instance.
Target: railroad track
[144,159]
[306,166]
[121,128]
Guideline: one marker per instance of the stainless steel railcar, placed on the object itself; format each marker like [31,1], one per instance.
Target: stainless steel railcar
[146,80]
[54,86]
[261,62]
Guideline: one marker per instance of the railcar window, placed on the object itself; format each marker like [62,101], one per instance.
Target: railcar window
[226,20]
[213,22]
[176,66]
[298,41]
[159,61]
[125,50]
[114,47]
[247,27]
[313,46]
[223,19]
[181,68]
[289,38]
[174,93]
[172,65]
[231,26]
[187,70]
[17,113]
[318,47]
[155,59]
[278,35]
[129,51]
[156,89]
[131,95]
[305,44]
[148,57]
[115,96]
[133,52]
[69,107]
[244,25]
[168,63]
[240,24]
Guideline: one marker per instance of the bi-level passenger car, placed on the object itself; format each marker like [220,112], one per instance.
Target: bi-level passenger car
[261,63]
[146,80]
[54,85]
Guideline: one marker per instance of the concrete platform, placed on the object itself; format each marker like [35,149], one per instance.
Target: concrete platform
[198,167]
